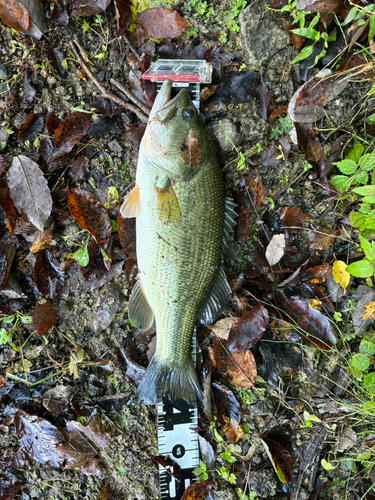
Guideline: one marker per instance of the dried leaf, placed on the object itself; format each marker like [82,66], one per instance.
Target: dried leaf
[292,216]
[317,274]
[89,7]
[8,246]
[275,250]
[161,22]
[133,370]
[248,330]
[198,491]
[256,190]
[361,325]
[42,240]
[246,202]
[47,274]
[320,92]
[90,215]
[31,127]
[190,150]
[340,275]
[307,140]
[44,316]
[238,368]
[369,311]
[169,465]
[69,132]
[228,411]
[29,190]
[11,481]
[222,327]
[322,238]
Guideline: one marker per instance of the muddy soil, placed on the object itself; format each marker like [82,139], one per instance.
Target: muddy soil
[298,377]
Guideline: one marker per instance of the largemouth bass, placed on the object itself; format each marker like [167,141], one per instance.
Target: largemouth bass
[182,221]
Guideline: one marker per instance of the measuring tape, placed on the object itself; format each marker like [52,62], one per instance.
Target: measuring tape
[176,427]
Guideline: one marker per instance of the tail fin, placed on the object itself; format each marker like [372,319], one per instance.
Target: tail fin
[178,383]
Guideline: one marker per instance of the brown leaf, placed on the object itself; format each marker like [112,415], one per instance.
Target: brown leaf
[97,266]
[14,15]
[11,481]
[79,169]
[209,90]
[133,370]
[317,274]
[31,127]
[322,238]
[292,216]
[39,438]
[169,465]
[256,189]
[4,165]
[190,150]
[69,132]
[198,491]
[89,7]
[238,368]
[245,207]
[123,15]
[276,112]
[44,316]
[126,234]
[307,140]
[29,190]
[248,330]
[161,22]
[135,133]
[42,240]
[322,91]
[105,493]
[280,458]
[228,411]
[7,206]
[47,274]
[296,40]
[8,246]
[52,123]
[90,215]
[57,399]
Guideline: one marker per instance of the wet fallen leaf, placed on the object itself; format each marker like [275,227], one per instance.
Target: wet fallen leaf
[308,141]
[311,290]
[31,127]
[228,411]
[248,330]
[275,152]
[69,132]
[11,481]
[4,165]
[39,438]
[190,150]
[47,274]
[56,58]
[134,371]
[169,465]
[369,311]
[238,368]
[198,491]
[161,22]
[98,265]
[37,18]
[8,246]
[279,456]
[321,6]
[340,275]
[248,198]
[126,234]
[53,123]
[29,190]
[275,249]
[15,15]
[89,7]
[44,316]
[79,169]
[42,240]
[312,323]
[90,215]
[292,216]
[103,317]
[28,90]
[135,133]
[322,238]
[317,274]
[57,399]
[123,15]
[320,92]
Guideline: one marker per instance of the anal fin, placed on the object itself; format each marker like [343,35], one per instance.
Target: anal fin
[139,310]
[131,206]
[219,297]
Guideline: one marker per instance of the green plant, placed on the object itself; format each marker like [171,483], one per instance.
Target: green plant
[81,255]
[282,129]
[223,472]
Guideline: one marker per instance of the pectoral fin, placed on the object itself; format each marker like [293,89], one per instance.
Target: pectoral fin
[131,207]
[139,310]
[167,203]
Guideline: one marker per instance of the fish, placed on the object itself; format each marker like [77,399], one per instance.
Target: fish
[183,222]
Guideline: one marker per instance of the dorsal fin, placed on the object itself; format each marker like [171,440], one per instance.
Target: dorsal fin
[139,310]
[131,206]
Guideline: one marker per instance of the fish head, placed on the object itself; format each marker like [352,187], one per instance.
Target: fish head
[174,125]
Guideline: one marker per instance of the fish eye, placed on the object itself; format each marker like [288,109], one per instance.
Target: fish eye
[187,113]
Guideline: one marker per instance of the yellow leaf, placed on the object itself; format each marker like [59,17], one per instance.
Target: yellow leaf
[315,304]
[340,275]
[369,311]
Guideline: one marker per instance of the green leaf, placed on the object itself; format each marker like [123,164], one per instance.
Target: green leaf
[365,191]
[367,348]
[347,167]
[368,248]
[367,161]
[82,255]
[351,15]
[371,32]
[340,181]
[361,177]
[326,465]
[355,152]
[360,362]
[305,52]
[371,119]
[360,269]
[307,33]
[3,336]
[369,383]
[26,320]
[8,319]
[113,226]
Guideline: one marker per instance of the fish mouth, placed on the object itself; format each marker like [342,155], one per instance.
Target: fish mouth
[164,107]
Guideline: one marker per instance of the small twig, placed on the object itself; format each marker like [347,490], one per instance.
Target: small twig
[135,53]
[103,91]
[318,232]
[130,96]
